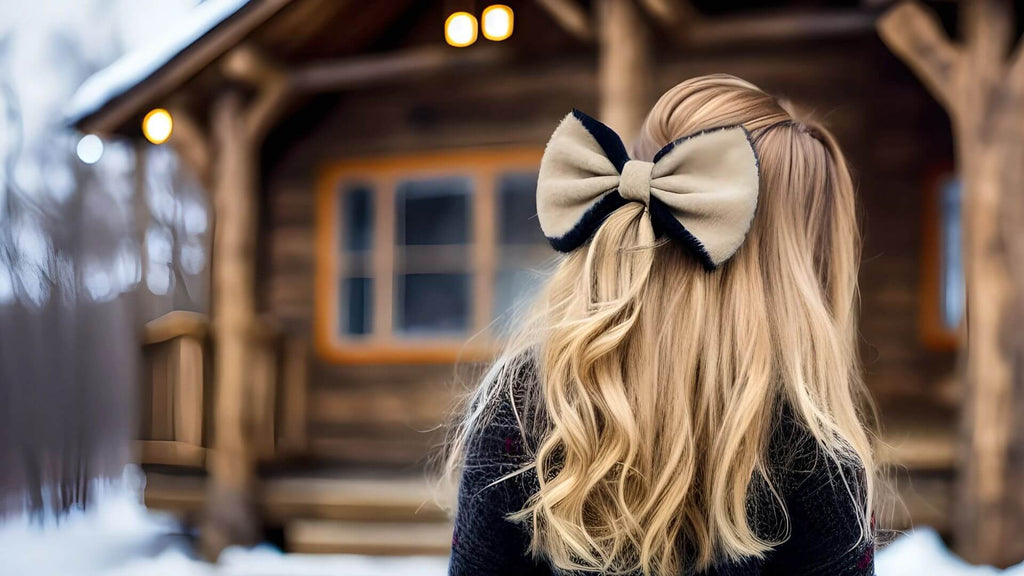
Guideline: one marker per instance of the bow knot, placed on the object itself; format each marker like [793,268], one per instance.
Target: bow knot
[635,183]
[700,190]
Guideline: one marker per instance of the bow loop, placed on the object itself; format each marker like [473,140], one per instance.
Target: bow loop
[701,190]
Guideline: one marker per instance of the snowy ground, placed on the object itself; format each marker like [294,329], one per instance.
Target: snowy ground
[121,538]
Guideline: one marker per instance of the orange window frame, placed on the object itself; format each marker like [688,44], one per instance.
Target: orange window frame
[381,345]
[934,333]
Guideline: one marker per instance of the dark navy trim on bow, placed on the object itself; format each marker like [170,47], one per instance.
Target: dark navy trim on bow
[671,145]
[589,223]
[665,223]
[606,138]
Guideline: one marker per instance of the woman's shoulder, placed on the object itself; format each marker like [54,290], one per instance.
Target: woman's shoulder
[799,461]
[508,417]
[823,523]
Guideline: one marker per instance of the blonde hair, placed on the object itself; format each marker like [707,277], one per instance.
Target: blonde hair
[658,384]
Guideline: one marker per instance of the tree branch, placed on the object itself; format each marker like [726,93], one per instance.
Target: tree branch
[915,35]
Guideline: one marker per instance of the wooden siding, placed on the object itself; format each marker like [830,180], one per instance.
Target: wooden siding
[388,414]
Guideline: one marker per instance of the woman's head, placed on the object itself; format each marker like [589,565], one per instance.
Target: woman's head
[659,382]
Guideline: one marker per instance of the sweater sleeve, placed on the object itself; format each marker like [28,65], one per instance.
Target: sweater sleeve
[825,527]
[485,542]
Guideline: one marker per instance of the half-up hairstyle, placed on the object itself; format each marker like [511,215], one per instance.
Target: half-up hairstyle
[656,384]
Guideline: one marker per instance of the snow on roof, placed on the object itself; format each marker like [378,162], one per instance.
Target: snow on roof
[135,67]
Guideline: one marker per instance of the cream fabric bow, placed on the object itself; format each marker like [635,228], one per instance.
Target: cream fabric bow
[700,190]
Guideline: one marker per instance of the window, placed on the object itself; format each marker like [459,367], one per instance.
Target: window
[521,244]
[418,254]
[943,287]
[952,282]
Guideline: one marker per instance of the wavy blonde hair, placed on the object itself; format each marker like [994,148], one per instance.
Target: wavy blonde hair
[658,384]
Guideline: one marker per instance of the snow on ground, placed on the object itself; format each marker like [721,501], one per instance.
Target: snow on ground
[922,553]
[119,537]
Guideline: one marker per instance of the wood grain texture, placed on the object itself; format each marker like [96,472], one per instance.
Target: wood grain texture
[975,83]
[624,67]
[380,415]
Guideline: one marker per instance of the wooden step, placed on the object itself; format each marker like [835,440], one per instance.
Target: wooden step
[394,499]
[369,538]
[357,499]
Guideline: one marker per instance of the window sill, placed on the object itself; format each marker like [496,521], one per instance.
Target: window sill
[398,352]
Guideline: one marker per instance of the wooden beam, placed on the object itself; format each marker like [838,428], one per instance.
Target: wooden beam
[914,34]
[360,71]
[273,87]
[175,324]
[268,107]
[170,453]
[230,517]
[1015,72]
[775,27]
[624,69]
[571,16]
[987,31]
[671,13]
[247,65]
[190,142]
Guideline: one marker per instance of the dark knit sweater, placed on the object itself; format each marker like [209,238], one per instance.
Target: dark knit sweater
[824,530]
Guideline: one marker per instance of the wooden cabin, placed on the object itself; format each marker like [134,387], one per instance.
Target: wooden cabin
[374,218]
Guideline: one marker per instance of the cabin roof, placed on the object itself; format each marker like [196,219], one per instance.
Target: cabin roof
[134,68]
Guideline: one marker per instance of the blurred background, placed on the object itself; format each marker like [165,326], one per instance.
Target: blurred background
[245,244]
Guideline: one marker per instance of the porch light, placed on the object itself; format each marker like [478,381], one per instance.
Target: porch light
[496,22]
[460,29]
[157,125]
[90,149]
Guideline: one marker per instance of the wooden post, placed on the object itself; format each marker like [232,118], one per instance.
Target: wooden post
[984,96]
[230,511]
[237,128]
[624,56]
[141,217]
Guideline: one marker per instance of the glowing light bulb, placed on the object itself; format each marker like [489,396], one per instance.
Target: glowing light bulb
[460,29]
[157,125]
[90,149]
[496,22]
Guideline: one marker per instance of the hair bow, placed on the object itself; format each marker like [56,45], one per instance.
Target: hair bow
[700,190]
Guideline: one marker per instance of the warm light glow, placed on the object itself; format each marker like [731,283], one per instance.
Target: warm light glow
[496,22]
[157,126]
[460,29]
[90,149]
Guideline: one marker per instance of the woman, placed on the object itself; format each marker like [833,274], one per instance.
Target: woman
[686,396]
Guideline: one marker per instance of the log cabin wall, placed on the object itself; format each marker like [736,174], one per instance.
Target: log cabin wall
[386,415]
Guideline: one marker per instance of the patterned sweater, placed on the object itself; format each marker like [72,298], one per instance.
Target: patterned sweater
[824,530]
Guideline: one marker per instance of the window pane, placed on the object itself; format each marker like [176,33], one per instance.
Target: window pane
[952,260]
[514,288]
[432,303]
[434,211]
[357,306]
[517,209]
[357,216]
